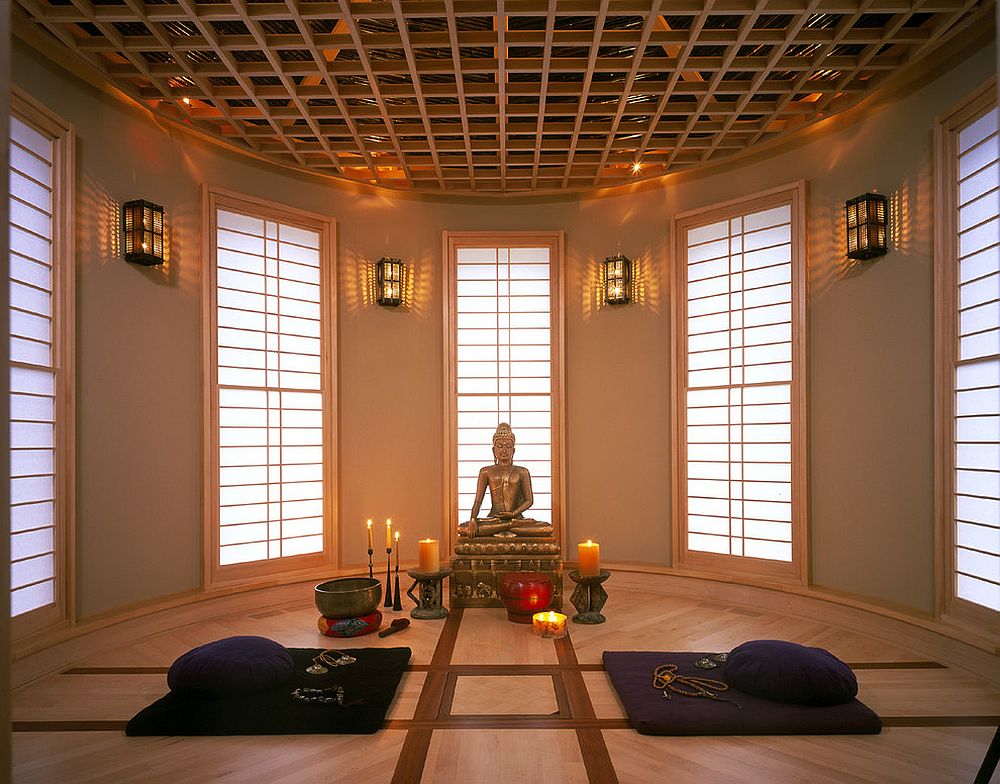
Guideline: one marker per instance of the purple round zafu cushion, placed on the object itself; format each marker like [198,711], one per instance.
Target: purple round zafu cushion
[234,665]
[788,672]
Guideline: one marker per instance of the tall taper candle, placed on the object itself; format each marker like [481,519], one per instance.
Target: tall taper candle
[388,534]
[397,551]
[371,545]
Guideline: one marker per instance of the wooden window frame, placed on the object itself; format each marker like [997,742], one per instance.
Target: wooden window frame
[794,572]
[948,605]
[62,612]
[289,567]
[555,242]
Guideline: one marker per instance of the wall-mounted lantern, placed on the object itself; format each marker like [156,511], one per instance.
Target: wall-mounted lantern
[142,227]
[617,280]
[867,216]
[389,281]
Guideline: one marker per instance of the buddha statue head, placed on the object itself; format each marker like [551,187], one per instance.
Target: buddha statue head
[503,444]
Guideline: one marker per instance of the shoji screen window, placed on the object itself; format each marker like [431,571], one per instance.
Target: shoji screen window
[504,323]
[968,318]
[738,399]
[41,366]
[271,329]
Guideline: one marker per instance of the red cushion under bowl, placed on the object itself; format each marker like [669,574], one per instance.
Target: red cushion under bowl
[350,627]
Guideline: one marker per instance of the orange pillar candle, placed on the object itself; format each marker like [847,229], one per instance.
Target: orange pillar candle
[549,624]
[589,554]
[371,545]
[388,534]
[429,558]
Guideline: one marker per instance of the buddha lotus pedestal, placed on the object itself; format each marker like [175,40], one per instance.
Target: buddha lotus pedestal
[480,564]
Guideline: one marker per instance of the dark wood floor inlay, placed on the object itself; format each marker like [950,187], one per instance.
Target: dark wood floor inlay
[413,755]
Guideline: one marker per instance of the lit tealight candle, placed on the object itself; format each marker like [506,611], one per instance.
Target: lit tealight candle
[589,555]
[371,544]
[388,534]
[429,557]
[549,624]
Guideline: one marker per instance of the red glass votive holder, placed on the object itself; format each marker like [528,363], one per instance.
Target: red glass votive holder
[524,594]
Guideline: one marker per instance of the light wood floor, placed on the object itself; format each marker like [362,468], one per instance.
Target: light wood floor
[486,701]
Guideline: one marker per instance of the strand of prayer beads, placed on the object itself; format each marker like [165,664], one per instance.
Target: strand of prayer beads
[666,679]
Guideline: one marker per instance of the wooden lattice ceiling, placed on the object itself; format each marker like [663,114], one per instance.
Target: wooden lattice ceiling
[494,96]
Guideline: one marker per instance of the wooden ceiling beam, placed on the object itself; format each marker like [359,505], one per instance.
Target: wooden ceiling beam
[587,78]
[647,28]
[543,88]
[289,85]
[355,31]
[456,61]
[336,41]
[333,88]
[417,90]
[435,9]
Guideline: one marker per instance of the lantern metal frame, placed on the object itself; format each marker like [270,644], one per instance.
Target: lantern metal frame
[390,274]
[142,232]
[617,279]
[867,226]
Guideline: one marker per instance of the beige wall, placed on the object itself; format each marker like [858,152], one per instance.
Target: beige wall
[139,369]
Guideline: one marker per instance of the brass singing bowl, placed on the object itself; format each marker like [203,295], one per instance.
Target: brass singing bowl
[348,597]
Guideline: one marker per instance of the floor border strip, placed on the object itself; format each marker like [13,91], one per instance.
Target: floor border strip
[413,754]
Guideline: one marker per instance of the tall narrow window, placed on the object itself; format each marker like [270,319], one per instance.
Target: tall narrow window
[968,322]
[41,366]
[271,327]
[504,332]
[739,408]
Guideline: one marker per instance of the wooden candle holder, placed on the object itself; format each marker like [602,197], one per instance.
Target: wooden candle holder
[429,602]
[589,596]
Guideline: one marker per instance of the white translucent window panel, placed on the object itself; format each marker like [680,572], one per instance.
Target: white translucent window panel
[33,427]
[269,356]
[739,360]
[976,503]
[504,372]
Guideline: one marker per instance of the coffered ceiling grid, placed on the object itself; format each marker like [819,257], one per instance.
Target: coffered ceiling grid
[497,96]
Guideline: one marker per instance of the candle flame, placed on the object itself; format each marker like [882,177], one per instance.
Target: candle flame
[590,543]
[369,522]
[397,536]
[388,522]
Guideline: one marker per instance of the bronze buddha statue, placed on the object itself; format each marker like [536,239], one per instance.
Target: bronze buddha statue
[510,496]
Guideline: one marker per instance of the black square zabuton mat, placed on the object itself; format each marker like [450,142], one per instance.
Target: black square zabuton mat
[372,678]
[631,674]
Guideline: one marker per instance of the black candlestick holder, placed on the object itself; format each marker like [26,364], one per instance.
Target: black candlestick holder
[397,601]
[388,578]
[589,596]
[371,566]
